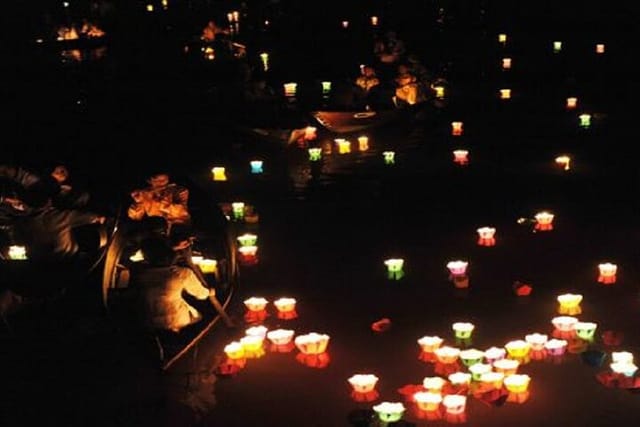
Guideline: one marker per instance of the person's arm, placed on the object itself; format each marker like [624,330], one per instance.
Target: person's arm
[136,210]
[192,284]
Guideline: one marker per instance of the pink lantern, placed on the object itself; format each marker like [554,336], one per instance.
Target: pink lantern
[456,128]
[506,63]
[556,347]
[312,343]
[363,386]
[461,157]
[544,221]
[457,268]
[486,236]
[607,273]
[286,308]
[494,354]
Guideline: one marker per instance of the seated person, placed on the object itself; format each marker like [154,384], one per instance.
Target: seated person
[161,199]
[408,90]
[46,230]
[210,31]
[160,282]
[368,79]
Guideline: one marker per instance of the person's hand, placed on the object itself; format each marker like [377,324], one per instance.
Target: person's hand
[136,196]
[101,219]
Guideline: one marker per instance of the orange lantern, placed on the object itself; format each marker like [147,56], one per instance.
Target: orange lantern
[493,379]
[316,361]
[506,366]
[363,143]
[537,342]
[363,386]
[607,273]
[312,343]
[427,401]
[599,48]
[455,406]
[429,344]
[290,89]
[286,308]
[544,221]
[572,103]
[486,236]
[461,157]
[506,63]
[447,355]
[374,21]
[456,128]
[256,309]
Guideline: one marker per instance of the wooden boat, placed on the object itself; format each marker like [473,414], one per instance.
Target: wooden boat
[214,240]
[354,121]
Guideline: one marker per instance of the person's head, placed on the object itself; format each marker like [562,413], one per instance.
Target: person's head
[157,251]
[158,180]
[60,173]
[368,71]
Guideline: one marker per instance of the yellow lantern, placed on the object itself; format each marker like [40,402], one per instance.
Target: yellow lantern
[506,366]
[564,161]
[344,146]
[518,349]
[502,38]
[517,385]
[234,350]
[446,354]
[505,93]
[427,401]
[456,128]
[494,379]
[557,46]
[286,308]
[17,252]
[218,173]
[290,89]
[569,304]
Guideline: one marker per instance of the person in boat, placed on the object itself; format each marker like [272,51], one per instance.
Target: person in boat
[367,79]
[161,198]
[162,283]
[408,91]
[211,31]
[47,231]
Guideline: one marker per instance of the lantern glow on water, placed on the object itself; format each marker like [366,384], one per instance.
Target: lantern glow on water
[344,146]
[286,308]
[457,267]
[461,157]
[363,143]
[247,239]
[256,166]
[564,161]
[312,343]
[585,330]
[315,153]
[456,128]
[290,89]
[218,173]
[608,273]
[463,330]
[505,93]
[569,304]
[585,120]
[572,102]
[17,252]
[544,221]
[427,401]
[389,412]
[395,268]
[486,236]
[389,157]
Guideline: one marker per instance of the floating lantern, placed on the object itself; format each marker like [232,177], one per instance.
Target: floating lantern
[564,325]
[257,331]
[471,357]
[502,38]
[585,330]
[138,256]
[247,239]
[569,304]
[344,146]
[518,349]
[506,366]
[345,24]
[433,384]
[312,343]
[479,369]
[456,128]
[486,236]
[374,21]
[505,93]
[149,7]
[557,46]
[457,268]
[310,133]
[621,357]
[280,337]
[585,120]
[17,252]
[463,330]
[599,48]
[572,103]
[506,63]
[627,369]
[389,412]
[315,153]
[427,401]
[460,378]
[494,354]
[447,355]
[544,221]
[252,345]
[461,157]
[256,303]
[237,210]
[248,255]
[264,57]
[455,406]
[537,342]
[256,166]
[209,53]
[429,344]
[564,161]
[517,385]
[290,89]
[439,91]
[363,387]
[363,143]
[207,265]
[556,347]
[326,87]
[607,273]
[218,173]
[234,350]
[286,308]
[494,379]
[389,157]
[395,268]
